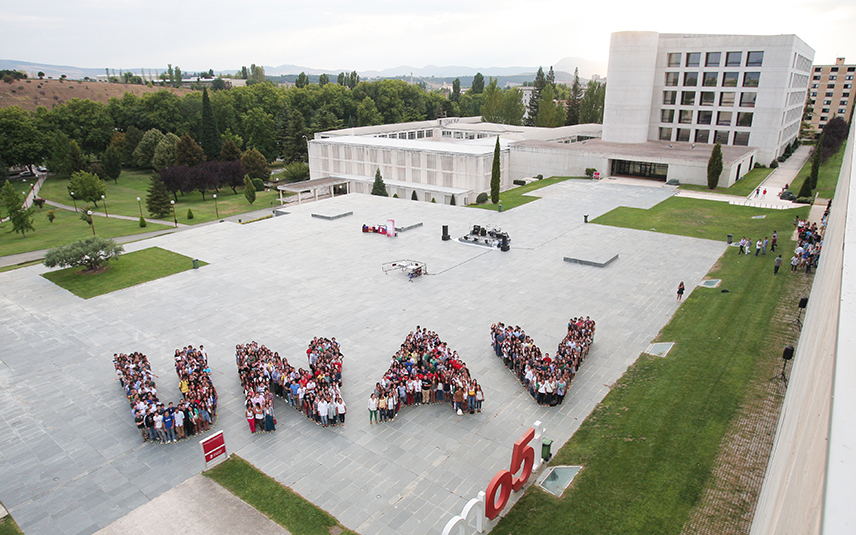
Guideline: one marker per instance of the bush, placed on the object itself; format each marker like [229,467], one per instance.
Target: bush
[482,198]
[788,196]
[432,199]
[759,165]
[590,171]
[453,201]
[519,182]
[143,222]
[189,213]
[414,197]
[804,200]
[38,201]
[782,158]
[539,177]
[51,215]
[774,164]
[258,184]
[395,195]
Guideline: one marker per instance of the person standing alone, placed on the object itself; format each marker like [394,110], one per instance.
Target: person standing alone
[777,264]
[680,291]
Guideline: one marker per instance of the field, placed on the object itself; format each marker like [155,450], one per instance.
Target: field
[741,188]
[518,196]
[827,177]
[32,93]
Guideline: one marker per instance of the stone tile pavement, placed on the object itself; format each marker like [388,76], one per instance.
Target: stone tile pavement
[73,463]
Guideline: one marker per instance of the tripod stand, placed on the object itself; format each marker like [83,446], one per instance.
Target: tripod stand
[798,321]
[782,375]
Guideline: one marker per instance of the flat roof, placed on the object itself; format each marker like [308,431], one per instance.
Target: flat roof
[401,184]
[648,151]
[413,144]
[315,183]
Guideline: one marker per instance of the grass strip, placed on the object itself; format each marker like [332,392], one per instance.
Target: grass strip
[128,270]
[515,197]
[8,526]
[827,175]
[741,188]
[279,503]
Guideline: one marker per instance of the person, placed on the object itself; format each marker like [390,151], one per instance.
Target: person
[373,409]
[795,262]
[479,398]
[251,417]
[140,421]
[777,264]
[764,194]
[758,246]
[773,242]
[381,405]
[764,248]
[680,291]
[757,192]
[270,425]
[341,410]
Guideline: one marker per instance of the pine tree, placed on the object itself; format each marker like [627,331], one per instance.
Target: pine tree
[576,96]
[537,87]
[295,140]
[815,162]
[76,161]
[255,164]
[379,188]
[230,152]
[495,175]
[714,166]
[413,196]
[210,136]
[112,161]
[157,200]
[551,78]
[456,90]
[188,152]
[550,113]
[249,189]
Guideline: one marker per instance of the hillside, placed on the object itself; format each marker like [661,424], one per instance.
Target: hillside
[31,93]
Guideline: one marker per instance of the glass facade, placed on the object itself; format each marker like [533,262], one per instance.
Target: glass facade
[640,169]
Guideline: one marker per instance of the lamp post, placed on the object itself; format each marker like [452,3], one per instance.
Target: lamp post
[74,201]
[141,206]
[91,221]
[104,200]
[216,210]
[174,217]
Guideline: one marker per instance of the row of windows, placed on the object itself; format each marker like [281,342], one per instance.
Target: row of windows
[832,86]
[714,59]
[704,136]
[711,79]
[723,118]
[457,134]
[833,77]
[708,98]
[834,69]
[413,134]
[830,93]
[829,103]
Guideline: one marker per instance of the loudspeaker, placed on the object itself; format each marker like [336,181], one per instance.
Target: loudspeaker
[788,354]
[504,246]
[446,236]
[803,302]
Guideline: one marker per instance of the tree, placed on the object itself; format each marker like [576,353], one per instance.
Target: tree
[21,141]
[249,189]
[218,84]
[551,78]
[537,87]
[495,174]
[256,165]
[323,80]
[133,135]
[145,150]
[478,84]
[714,166]
[302,81]
[58,153]
[204,177]
[230,152]
[413,196]
[367,114]
[157,200]
[231,173]
[41,75]
[379,188]
[550,113]
[805,189]
[295,172]
[165,152]
[86,187]
[591,105]
[76,161]
[815,162]
[456,90]
[492,105]
[92,252]
[576,96]
[112,162]
[20,216]
[210,136]
[176,178]
[295,149]
[188,152]
[513,109]
[260,131]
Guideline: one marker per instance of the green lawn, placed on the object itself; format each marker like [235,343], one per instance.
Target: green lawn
[827,177]
[741,188]
[133,183]
[128,270]
[67,227]
[705,219]
[21,265]
[281,504]
[9,527]
[517,196]
[649,447]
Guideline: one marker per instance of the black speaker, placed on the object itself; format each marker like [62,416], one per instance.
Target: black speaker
[803,302]
[504,246]
[446,236]
[788,354]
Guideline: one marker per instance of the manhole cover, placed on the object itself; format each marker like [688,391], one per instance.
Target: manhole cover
[710,283]
[759,216]
[660,349]
[557,479]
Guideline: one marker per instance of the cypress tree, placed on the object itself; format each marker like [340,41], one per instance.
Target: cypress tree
[815,163]
[538,86]
[714,166]
[413,196]
[249,190]
[76,161]
[210,136]
[805,189]
[494,175]
[157,201]
[379,188]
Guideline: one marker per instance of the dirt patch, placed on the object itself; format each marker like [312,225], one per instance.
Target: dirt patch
[32,93]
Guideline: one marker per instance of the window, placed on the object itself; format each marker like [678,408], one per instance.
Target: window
[741,138]
[732,59]
[814,86]
[686,117]
[683,135]
[828,94]
[813,94]
[842,103]
[705,117]
[848,77]
[710,79]
[847,86]
[669,97]
[830,86]
[667,116]
[751,79]
[816,77]
[671,78]
[687,98]
[817,69]
[420,134]
[827,102]
[729,79]
[411,135]
[702,136]
[708,98]
[845,95]
[851,69]
[721,136]
[754,59]
[713,59]
[723,118]
[726,99]
[690,79]
[842,111]
[665,134]
[832,78]
[675,59]
[693,59]
[824,110]
[429,133]
[834,69]
[823,119]
[747,100]
[744,119]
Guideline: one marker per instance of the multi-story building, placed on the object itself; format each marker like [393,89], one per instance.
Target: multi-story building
[743,90]
[829,93]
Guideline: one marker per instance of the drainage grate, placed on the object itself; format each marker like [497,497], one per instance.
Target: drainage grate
[710,283]
[660,349]
[557,479]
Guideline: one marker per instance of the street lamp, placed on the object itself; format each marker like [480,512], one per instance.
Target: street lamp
[174,218]
[104,200]
[91,221]
[216,210]
[74,201]
[141,206]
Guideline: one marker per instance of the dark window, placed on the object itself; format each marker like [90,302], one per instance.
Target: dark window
[693,59]
[710,79]
[747,100]
[702,136]
[828,94]
[832,78]
[824,110]
[754,59]
[672,78]
[741,138]
[708,98]
[751,79]
[721,136]
[667,116]
[713,59]
[686,117]
[817,69]
[641,169]
[729,79]
[669,97]
[851,69]
[687,98]
[683,134]
[705,117]
[830,86]
[816,77]
[665,134]
[675,59]
[744,119]
[723,118]
[823,120]
[726,99]
[834,69]
[732,59]
[690,79]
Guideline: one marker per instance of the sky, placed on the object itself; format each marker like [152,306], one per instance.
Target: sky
[379,34]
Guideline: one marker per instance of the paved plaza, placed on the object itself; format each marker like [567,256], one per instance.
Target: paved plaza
[70,457]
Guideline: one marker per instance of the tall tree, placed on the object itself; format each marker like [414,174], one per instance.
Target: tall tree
[591,106]
[165,152]
[478,84]
[281,131]
[86,187]
[323,80]
[58,153]
[255,164]
[295,149]
[537,87]
[145,150]
[302,80]
[112,162]
[157,199]
[513,109]
[495,174]
[76,161]
[576,96]
[492,105]
[20,216]
[231,173]
[341,79]
[210,135]
[260,132]
[456,90]
[133,135]
[230,152]
[353,79]
[816,158]
[551,78]
[21,141]
[379,188]
[714,166]
[367,114]
[249,190]
[550,113]
[188,152]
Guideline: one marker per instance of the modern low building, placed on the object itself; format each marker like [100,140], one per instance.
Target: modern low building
[829,94]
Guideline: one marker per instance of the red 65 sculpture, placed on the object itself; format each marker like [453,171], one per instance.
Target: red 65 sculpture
[488,505]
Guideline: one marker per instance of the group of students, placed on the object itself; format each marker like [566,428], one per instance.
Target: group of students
[168,424]
[315,392]
[424,371]
[809,243]
[761,246]
[546,378]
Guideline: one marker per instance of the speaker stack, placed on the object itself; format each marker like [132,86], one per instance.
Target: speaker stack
[446,236]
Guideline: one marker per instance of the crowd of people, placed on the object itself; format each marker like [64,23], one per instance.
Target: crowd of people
[314,391]
[546,378]
[168,423]
[424,370]
[809,243]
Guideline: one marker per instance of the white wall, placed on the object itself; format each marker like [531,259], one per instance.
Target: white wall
[630,75]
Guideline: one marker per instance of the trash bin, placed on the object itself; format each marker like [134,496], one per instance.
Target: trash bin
[195,263]
[546,444]
[500,207]
[730,238]
[585,218]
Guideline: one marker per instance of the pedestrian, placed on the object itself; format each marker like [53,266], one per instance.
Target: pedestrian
[757,192]
[795,262]
[680,291]
[764,249]
[773,243]
[765,192]
[777,264]
[758,246]
[373,409]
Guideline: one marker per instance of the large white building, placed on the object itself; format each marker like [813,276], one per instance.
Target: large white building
[740,90]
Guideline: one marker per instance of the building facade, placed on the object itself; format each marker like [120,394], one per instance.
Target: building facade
[829,94]
[741,90]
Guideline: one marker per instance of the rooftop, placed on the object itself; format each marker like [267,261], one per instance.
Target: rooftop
[652,151]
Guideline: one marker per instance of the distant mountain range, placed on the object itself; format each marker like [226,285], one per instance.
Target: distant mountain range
[563,68]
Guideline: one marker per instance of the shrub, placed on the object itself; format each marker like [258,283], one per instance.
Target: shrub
[38,201]
[143,222]
[482,198]
[51,215]
[590,171]
[249,190]
[788,196]
[92,252]
[414,197]
[781,158]
[539,177]
[519,182]
[774,164]
[395,195]
[453,201]
[432,200]
[189,213]
[758,165]
[258,184]
[804,200]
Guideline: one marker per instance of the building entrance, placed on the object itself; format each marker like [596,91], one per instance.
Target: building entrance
[656,171]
